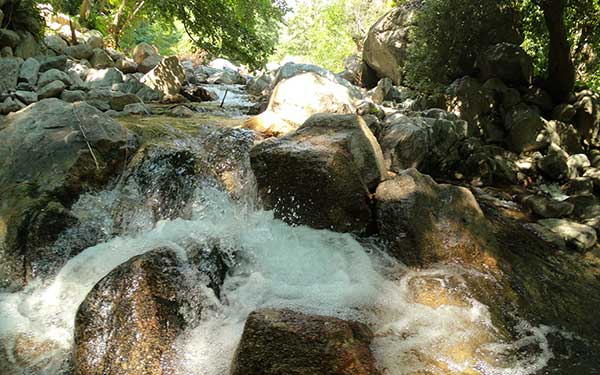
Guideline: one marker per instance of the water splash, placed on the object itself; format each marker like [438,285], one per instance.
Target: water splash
[423,320]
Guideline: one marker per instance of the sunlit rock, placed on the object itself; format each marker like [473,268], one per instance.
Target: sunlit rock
[278,342]
[580,237]
[167,77]
[129,321]
[425,222]
[143,51]
[321,174]
[291,104]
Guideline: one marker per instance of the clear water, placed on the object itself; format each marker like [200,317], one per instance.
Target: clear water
[423,320]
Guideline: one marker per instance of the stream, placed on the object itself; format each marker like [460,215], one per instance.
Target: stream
[425,321]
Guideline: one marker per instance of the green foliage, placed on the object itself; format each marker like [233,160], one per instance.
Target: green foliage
[169,39]
[325,32]
[448,36]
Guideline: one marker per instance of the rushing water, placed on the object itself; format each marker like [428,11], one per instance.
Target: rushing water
[423,320]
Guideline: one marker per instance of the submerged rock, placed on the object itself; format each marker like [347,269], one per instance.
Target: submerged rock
[129,321]
[284,342]
[321,174]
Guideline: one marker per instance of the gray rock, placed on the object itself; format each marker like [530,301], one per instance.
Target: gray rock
[103,77]
[9,38]
[587,207]
[100,59]
[56,43]
[126,65]
[578,186]
[80,68]
[52,89]
[527,130]
[143,51]
[508,62]
[29,71]
[28,47]
[26,97]
[136,109]
[52,62]
[336,160]
[587,118]
[546,235]
[72,96]
[9,73]
[167,77]
[427,144]
[386,46]
[149,63]
[10,105]
[554,165]
[580,237]
[548,207]
[6,52]
[382,90]
[80,51]
[54,75]
[467,100]
[93,38]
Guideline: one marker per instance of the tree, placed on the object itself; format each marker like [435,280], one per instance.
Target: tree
[326,32]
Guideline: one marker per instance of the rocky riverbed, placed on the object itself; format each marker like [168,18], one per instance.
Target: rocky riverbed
[160,216]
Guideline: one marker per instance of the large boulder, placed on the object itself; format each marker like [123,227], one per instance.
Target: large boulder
[508,62]
[29,71]
[54,75]
[528,131]
[427,144]
[128,323]
[386,46]
[56,43]
[103,77]
[290,106]
[322,174]
[167,77]
[425,223]
[467,99]
[49,153]
[100,59]
[79,51]
[51,90]
[587,118]
[283,342]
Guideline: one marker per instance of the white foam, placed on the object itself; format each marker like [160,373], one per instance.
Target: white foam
[315,271]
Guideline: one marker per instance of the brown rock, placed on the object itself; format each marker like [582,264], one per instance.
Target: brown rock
[284,342]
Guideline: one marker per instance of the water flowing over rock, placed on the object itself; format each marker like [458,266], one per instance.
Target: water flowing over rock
[50,152]
[282,342]
[289,105]
[129,321]
[321,174]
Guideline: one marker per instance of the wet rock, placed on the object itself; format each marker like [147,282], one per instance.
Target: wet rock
[133,315]
[508,62]
[79,51]
[321,174]
[547,207]
[546,235]
[386,46]
[45,158]
[52,89]
[227,77]
[424,222]
[143,51]
[278,342]
[289,106]
[100,59]
[430,145]
[167,77]
[29,71]
[199,94]
[580,237]
[9,73]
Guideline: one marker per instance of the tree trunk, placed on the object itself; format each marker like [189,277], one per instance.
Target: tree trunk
[561,70]
[73,33]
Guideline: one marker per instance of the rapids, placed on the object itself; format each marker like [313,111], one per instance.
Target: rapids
[423,320]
